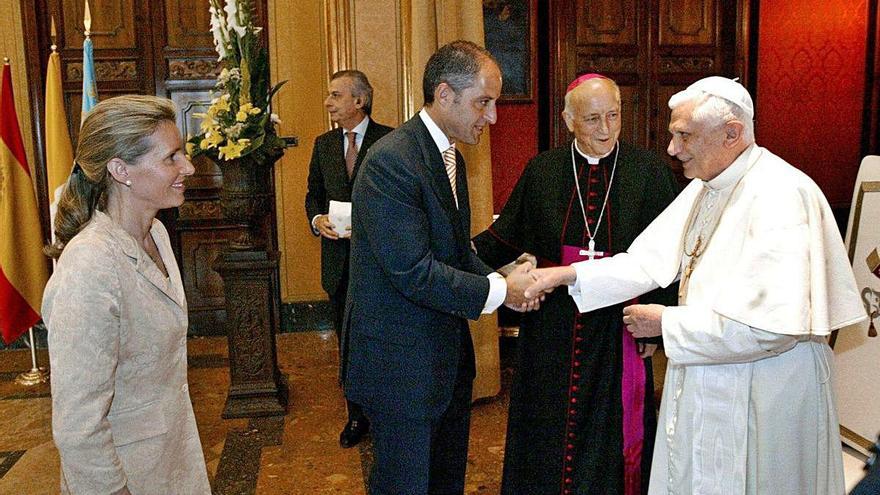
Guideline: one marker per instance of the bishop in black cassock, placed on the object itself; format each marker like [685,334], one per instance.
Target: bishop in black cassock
[582,417]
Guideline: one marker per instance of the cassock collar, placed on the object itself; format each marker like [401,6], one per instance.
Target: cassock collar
[592,160]
[735,170]
[437,135]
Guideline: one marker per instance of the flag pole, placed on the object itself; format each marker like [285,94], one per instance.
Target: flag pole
[36,375]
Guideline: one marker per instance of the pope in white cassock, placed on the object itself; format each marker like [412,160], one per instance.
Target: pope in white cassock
[748,405]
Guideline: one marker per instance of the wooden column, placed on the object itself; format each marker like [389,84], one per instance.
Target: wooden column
[250,281]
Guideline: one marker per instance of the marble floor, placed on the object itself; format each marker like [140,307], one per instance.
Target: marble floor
[298,454]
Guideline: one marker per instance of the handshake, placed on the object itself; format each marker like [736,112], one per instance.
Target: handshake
[527,286]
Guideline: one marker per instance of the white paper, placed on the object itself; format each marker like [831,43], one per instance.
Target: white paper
[340,217]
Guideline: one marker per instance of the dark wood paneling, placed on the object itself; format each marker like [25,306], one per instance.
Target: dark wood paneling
[606,22]
[188,24]
[113,23]
[687,22]
[871,126]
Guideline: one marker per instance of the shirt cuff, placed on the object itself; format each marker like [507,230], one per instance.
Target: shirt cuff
[497,292]
[315,230]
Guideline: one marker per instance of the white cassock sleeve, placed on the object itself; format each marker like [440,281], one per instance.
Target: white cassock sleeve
[694,335]
[608,281]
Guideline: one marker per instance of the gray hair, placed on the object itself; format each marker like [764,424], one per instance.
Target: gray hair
[714,111]
[360,87]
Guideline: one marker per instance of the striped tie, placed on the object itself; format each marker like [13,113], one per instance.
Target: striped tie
[351,154]
[449,161]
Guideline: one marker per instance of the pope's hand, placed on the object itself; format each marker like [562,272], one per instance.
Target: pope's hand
[547,279]
[643,320]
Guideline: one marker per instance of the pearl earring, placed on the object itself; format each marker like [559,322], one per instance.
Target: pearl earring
[128,183]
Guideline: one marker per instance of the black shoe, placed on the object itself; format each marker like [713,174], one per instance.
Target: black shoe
[353,432]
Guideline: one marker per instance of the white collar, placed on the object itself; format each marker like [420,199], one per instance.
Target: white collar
[359,129]
[731,175]
[437,135]
[592,160]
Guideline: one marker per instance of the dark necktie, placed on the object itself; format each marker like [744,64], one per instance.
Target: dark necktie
[351,154]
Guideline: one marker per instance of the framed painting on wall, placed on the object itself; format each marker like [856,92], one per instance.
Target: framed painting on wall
[509,27]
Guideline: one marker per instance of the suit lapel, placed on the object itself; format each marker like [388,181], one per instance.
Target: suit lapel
[147,269]
[439,179]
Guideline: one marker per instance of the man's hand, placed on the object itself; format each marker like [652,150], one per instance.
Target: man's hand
[325,227]
[643,320]
[517,282]
[547,279]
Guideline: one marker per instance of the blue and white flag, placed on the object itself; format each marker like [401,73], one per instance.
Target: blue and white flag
[90,89]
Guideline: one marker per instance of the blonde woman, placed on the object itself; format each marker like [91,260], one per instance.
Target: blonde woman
[116,310]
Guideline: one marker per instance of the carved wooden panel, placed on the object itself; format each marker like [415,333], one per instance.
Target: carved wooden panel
[661,125]
[204,285]
[607,64]
[606,22]
[193,69]
[188,24]
[113,23]
[630,111]
[111,70]
[687,22]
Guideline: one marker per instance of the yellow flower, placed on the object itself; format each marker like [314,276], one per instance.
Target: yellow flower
[219,105]
[233,149]
[208,124]
[245,110]
[211,140]
[190,147]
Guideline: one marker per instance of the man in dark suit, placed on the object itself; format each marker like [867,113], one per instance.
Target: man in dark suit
[336,158]
[415,281]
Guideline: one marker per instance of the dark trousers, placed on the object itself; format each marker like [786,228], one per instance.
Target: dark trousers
[422,456]
[337,302]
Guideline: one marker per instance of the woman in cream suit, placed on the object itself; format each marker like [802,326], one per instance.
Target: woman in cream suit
[116,311]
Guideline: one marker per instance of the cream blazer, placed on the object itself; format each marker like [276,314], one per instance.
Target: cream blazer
[121,412]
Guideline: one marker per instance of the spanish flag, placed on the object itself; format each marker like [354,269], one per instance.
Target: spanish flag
[23,268]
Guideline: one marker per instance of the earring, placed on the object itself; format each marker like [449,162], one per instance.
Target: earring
[128,183]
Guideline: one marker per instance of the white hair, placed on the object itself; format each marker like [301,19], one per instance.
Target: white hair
[713,111]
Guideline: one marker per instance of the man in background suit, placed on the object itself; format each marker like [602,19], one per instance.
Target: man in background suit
[336,158]
[415,281]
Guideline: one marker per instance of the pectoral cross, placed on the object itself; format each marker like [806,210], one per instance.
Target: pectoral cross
[591,252]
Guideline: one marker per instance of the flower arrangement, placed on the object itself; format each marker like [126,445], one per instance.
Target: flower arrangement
[238,123]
